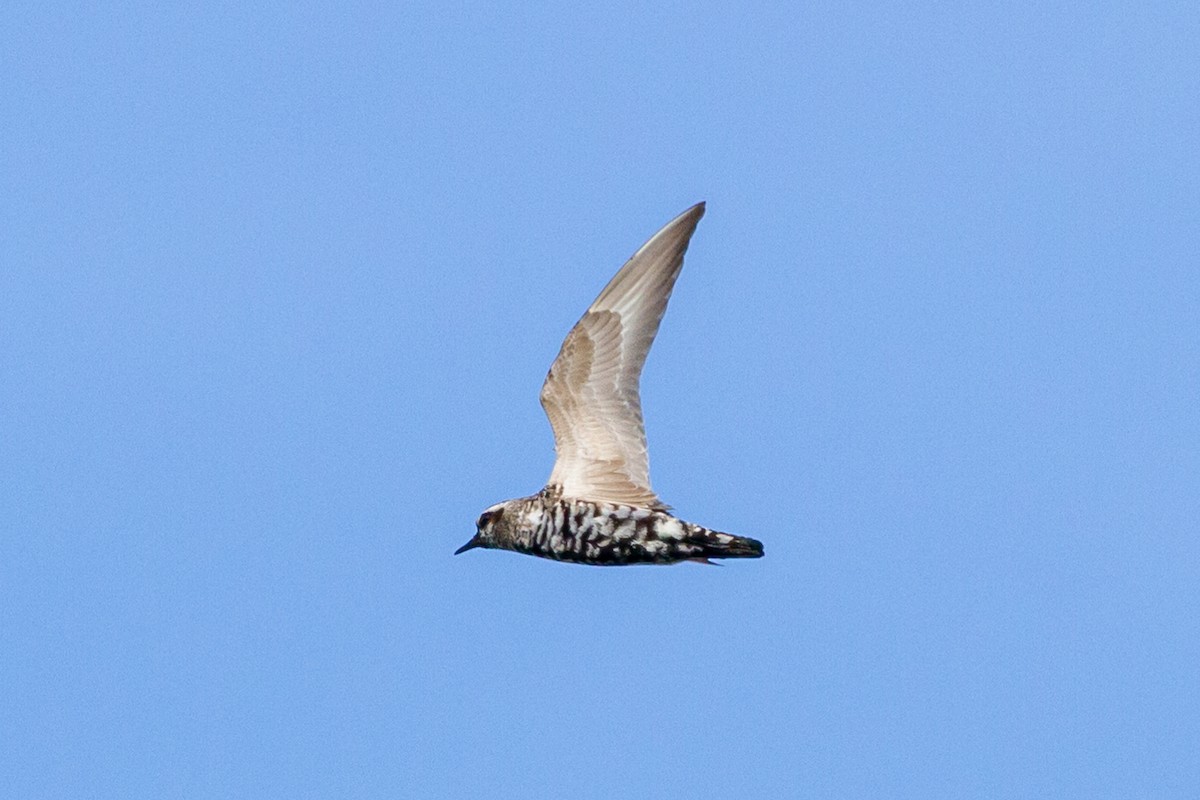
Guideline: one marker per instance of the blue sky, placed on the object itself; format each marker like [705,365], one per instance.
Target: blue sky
[278,288]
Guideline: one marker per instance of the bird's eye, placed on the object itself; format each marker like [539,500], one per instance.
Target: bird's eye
[485,519]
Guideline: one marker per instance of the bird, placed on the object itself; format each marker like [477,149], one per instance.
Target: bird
[598,507]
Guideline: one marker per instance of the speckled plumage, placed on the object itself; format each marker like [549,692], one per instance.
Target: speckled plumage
[604,534]
[598,507]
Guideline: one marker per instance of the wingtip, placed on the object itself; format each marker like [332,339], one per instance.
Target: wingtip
[690,218]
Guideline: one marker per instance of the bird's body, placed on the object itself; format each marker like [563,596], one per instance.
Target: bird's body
[605,534]
[598,507]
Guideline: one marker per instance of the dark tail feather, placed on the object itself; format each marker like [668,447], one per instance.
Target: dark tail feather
[725,545]
[743,547]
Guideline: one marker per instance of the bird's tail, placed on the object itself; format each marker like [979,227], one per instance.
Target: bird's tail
[716,544]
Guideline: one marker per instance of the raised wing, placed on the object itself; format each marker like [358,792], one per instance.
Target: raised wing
[591,393]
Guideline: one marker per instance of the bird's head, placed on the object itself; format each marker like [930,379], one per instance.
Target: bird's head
[489,529]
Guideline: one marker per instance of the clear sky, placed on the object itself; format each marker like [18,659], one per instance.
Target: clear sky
[278,289]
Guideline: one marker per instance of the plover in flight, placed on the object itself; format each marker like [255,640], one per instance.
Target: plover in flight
[598,507]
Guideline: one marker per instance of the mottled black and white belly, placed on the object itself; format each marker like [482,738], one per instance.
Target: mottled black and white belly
[607,534]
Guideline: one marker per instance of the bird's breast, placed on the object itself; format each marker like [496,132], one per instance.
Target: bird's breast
[600,533]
